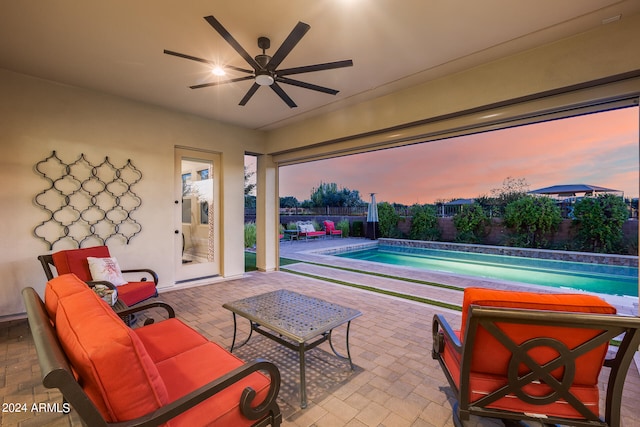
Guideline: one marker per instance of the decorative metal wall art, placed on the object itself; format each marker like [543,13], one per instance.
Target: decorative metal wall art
[87,203]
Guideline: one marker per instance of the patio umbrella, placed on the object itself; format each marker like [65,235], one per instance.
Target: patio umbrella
[373,230]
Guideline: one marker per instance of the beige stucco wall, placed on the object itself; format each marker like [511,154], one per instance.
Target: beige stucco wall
[37,117]
[608,50]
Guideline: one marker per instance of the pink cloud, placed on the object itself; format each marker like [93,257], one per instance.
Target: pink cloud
[599,149]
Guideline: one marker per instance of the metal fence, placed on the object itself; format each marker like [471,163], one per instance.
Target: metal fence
[442,210]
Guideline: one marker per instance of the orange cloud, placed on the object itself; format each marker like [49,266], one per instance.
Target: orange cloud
[599,149]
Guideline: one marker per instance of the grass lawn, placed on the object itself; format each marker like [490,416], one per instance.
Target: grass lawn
[250,261]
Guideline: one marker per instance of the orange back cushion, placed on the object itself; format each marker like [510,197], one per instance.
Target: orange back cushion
[75,260]
[113,366]
[60,287]
[491,357]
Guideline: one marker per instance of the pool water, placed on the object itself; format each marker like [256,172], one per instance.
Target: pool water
[598,278]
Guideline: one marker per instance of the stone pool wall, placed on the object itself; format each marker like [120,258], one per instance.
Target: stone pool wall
[594,258]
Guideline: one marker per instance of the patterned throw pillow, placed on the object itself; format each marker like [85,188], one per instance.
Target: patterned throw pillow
[106,269]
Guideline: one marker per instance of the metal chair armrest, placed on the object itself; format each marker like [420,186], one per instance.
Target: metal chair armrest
[441,330]
[141,307]
[144,270]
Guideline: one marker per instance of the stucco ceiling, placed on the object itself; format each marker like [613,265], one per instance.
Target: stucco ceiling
[116,46]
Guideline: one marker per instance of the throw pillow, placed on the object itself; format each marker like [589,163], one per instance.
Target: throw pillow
[106,269]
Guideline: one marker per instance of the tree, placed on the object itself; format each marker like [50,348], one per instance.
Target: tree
[328,194]
[424,223]
[531,219]
[249,186]
[512,189]
[599,222]
[289,202]
[388,220]
[471,224]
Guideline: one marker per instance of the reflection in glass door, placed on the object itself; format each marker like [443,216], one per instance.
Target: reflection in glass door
[197,231]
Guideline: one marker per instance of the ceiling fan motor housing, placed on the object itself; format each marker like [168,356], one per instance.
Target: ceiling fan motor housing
[264,78]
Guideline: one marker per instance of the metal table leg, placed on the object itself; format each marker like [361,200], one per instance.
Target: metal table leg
[235,329]
[348,356]
[303,379]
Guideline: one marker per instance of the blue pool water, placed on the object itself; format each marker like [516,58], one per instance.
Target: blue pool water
[599,278]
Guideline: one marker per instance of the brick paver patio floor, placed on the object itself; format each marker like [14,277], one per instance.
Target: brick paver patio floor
[396,383]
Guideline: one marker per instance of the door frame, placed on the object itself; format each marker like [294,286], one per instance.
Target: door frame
[189,272]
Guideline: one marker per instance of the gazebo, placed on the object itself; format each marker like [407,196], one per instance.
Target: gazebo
[569,191]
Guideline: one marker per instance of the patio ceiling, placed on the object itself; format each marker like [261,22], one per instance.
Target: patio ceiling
[116,47]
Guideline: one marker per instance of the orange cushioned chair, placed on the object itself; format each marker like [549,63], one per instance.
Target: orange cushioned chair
[529,356]
[162,374]
[331,230]
[75,261]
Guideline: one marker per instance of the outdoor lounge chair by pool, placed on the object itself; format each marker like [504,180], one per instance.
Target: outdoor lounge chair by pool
[536,357]
[306,230]
[331,230]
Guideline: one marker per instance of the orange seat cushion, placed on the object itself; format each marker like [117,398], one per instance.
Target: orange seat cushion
[166,339]
[194,368]
[134,292]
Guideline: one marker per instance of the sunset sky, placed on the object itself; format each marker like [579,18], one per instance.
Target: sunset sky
[597,149]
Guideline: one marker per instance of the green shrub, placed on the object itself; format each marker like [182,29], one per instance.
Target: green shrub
[424,223]
[531,219]
[598,223]
[357,229]
[292,226]
[388,220]
[343,225]
[471,224]
[249,234]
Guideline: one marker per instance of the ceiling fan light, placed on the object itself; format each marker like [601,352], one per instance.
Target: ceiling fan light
[264,79]
[218,71]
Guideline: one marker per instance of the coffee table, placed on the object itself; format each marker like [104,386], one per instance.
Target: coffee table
[298,322]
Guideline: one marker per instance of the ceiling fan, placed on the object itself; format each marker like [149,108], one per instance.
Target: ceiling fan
[264,70]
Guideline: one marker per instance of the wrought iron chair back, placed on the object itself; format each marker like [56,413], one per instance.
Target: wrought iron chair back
[541,370]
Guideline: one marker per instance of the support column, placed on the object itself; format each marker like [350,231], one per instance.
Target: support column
[267,214]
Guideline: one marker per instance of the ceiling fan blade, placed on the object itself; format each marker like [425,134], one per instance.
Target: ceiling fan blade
[206,61]
[316,67]
[239,79]
[249,94]
[229,38]
[288,44]
[307,85]
[281,93]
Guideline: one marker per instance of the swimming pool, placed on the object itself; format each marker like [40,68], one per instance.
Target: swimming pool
[599,278]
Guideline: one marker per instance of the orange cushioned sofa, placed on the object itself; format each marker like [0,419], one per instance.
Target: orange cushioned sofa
[162,374]
[306,230]
[534,356]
